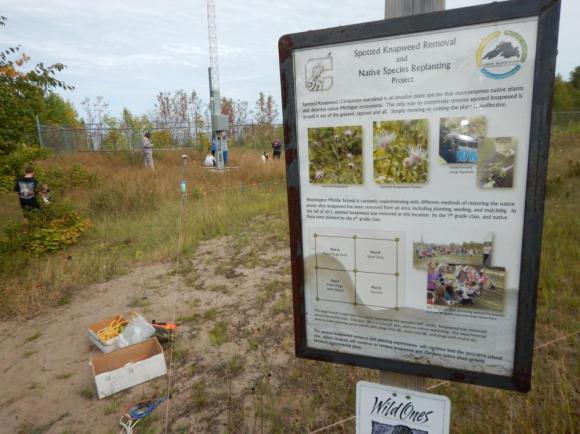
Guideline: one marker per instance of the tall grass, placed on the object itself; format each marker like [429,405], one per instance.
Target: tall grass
[135,214]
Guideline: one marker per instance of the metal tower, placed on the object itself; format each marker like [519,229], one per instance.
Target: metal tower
[214,81]
[219,122]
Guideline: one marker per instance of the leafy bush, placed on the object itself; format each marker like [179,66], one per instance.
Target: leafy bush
[12,165]
[76,176]
[7,183]
[49,229]
[162,139]
[203,141]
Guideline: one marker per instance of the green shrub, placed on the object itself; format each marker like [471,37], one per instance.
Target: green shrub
[76,176]
[162,139]
[203,140]
[49,229]
[7,183]
[12,165]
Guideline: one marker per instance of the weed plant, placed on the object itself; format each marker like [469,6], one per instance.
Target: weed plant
[335,155]
[400,153]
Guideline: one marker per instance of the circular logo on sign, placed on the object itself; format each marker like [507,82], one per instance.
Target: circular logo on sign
[501,54]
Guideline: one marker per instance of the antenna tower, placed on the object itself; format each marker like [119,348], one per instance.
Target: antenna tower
[219,122]
[213,50]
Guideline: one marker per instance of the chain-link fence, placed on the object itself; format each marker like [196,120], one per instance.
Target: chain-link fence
[100,138]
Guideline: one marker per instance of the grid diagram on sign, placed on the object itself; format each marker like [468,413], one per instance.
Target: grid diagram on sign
[357,270]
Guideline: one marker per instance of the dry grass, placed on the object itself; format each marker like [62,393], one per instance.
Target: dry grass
[135,215]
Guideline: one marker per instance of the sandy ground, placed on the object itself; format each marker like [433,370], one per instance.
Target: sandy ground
[232,297]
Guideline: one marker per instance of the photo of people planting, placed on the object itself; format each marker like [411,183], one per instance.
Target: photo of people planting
[495,168]
[460,137]
[400,152]
[335,155]
[460,274]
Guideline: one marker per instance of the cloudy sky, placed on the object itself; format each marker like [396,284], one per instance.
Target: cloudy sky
[129,50]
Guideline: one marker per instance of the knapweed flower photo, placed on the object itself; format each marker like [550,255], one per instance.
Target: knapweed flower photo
[335,155]
[401,151]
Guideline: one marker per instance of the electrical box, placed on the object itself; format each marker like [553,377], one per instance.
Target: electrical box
[220,122]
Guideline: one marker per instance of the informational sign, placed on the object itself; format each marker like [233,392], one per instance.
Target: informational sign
[416,171]
[391,410]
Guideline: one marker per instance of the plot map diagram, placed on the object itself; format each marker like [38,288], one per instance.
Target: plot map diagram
[359,268]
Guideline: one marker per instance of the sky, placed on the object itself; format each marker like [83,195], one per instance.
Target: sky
[129,50]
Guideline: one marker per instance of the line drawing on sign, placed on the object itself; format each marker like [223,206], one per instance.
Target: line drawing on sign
[370,263]
[318,78]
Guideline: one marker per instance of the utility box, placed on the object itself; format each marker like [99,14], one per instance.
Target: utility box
[220,122]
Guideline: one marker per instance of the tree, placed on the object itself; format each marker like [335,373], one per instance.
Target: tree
[575,78]
[163,110]
[266,111]
[227,108]
[22,95]
[57,111]
[566,95]
[241,112]
[96,112]
[182,113]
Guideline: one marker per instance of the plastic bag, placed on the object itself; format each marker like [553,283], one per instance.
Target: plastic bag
[138,330]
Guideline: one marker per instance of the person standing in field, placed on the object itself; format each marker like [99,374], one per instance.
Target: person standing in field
[27,187]
[147,149]
[276,149]
[225,148]
[487,255]
[213,147]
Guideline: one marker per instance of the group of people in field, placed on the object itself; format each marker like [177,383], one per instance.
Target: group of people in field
[210,159]
[31,194]
[451,284]
[434,250]
[276,152]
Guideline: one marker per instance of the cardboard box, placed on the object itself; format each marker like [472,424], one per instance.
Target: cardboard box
[105,346]
[127,367]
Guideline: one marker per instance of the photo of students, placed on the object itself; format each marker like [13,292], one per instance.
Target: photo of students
[495,168]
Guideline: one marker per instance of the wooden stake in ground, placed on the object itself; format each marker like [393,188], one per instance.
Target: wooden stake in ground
[394,9]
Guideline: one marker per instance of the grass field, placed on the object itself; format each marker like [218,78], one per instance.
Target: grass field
[448,259]
[135,220]
[134,214]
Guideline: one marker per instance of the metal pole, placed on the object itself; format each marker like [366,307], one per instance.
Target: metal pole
[394,9]
[38,131]
[63,129]
[403,8]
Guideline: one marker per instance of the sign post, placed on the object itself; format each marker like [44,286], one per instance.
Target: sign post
[395,9]
[416,166]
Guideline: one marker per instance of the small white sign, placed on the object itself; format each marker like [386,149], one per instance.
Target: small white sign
[390,410]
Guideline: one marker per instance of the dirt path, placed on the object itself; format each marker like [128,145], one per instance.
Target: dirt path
[233,299]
